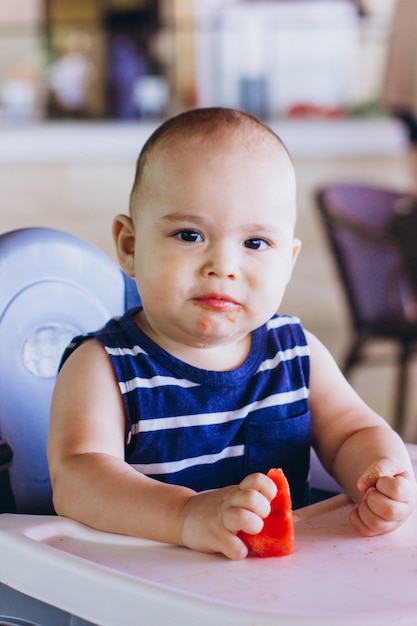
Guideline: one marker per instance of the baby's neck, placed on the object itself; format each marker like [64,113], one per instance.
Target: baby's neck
[221,358]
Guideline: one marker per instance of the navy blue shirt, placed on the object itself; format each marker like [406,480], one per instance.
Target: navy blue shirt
[208,429]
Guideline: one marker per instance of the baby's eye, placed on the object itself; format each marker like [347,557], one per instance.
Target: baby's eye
[256,244]
[190,236]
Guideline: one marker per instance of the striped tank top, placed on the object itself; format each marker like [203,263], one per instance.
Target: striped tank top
[208,429]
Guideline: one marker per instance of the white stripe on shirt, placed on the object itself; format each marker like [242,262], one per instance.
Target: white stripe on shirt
[169,467]
[281,320]
[134,351]
[207,419]
[155,381]
[283,355]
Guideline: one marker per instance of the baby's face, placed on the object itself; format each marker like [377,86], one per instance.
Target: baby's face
[215,241]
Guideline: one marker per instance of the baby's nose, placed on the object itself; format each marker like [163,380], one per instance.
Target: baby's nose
[221,262]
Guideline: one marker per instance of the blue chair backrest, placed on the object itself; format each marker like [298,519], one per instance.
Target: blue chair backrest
[53,286]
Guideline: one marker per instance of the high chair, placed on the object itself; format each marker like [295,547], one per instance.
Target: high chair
[53,286]
[57,572]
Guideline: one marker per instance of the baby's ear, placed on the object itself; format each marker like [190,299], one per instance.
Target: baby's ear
[124,238]
[296,249]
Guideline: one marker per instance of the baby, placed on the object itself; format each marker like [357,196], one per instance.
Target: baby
[165,422]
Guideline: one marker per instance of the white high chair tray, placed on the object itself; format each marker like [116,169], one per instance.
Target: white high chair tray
[333,577]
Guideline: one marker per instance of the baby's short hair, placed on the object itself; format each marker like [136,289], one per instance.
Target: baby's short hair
[206,124]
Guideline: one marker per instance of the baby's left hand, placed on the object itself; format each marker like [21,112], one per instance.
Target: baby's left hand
[390,496]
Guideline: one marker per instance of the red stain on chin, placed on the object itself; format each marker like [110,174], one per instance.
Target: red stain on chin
[208,319]
[210,315]
[205,322]
[205,325]
[232,317]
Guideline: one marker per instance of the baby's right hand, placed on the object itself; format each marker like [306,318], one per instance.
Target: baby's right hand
[213,519]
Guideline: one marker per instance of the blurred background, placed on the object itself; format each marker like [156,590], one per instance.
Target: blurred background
[84,82]
[135,59]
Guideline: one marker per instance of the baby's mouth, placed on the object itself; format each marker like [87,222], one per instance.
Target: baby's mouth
[217,302]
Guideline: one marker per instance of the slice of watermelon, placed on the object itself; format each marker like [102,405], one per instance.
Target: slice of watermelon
[277,536]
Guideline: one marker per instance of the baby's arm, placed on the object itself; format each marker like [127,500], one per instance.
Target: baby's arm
[359,449]
[93,484]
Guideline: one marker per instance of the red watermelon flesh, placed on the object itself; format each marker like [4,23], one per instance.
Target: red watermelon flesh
[277,535]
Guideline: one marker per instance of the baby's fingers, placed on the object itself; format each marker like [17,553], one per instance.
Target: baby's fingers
[237,519]
[385,467]
[366,524]
[261,483]
[384,508]
[399,488]
[246,505]
[376,514]
[249,504]
[233,548]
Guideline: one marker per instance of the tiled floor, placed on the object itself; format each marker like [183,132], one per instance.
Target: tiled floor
[77,178]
